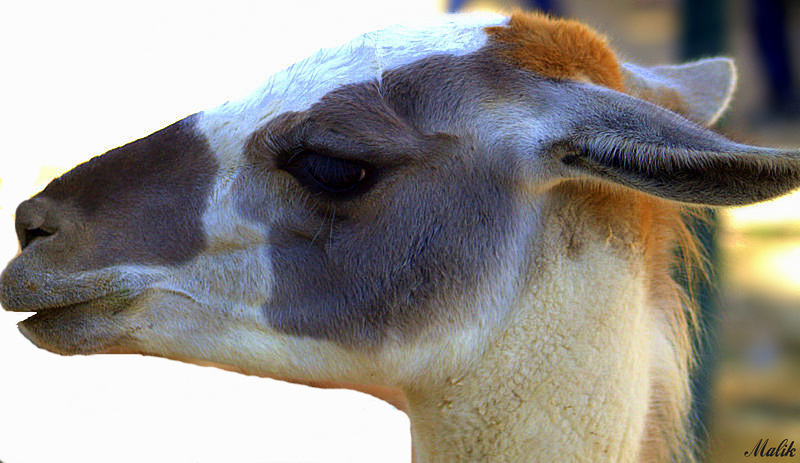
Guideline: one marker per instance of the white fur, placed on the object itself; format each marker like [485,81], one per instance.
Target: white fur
[362,59]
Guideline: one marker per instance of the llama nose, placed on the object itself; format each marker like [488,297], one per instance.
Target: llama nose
[32,221]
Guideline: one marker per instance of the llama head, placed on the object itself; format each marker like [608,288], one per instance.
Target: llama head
[369,214]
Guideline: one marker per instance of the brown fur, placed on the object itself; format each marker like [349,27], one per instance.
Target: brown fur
[558,48]
[144,200]
[141,203]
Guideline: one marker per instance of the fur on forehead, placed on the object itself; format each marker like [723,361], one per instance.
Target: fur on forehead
[363,59]
[558,48]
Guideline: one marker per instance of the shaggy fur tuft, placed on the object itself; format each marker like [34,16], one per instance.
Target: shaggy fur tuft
[558,48]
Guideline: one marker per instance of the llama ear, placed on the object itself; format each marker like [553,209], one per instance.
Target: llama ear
[625,140]
[700,91]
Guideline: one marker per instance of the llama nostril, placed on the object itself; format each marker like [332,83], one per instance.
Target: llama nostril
[30,222]
[33,234]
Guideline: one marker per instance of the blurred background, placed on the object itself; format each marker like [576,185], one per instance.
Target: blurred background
[79,78]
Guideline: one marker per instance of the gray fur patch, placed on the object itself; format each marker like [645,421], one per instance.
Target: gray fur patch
[387,262]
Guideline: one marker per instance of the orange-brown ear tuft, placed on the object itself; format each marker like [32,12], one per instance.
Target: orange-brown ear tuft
[558,48]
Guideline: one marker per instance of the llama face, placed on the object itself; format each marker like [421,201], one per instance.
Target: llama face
[238,243]
[361,211]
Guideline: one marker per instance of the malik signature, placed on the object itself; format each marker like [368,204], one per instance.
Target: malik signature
[784,449]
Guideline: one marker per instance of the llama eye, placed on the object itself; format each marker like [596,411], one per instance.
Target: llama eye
[334,175]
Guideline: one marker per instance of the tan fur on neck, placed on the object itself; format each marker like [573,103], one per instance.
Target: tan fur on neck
[564,49]
[659,229]
[570,376]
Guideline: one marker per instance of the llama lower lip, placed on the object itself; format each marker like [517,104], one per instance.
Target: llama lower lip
[42,327]
[84,328]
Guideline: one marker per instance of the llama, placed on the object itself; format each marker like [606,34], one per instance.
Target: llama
[474,220]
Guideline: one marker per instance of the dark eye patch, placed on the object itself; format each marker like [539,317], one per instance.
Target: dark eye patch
[326,173]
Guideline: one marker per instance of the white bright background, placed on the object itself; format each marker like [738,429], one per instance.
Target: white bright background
[79,78]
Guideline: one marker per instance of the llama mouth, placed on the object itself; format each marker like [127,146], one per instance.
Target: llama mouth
[83,328]
[26,287]
[60,306]
[38,310]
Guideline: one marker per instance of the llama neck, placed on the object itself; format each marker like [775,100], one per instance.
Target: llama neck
[568,377]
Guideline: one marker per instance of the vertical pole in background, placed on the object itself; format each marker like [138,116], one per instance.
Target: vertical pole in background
[704,34]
